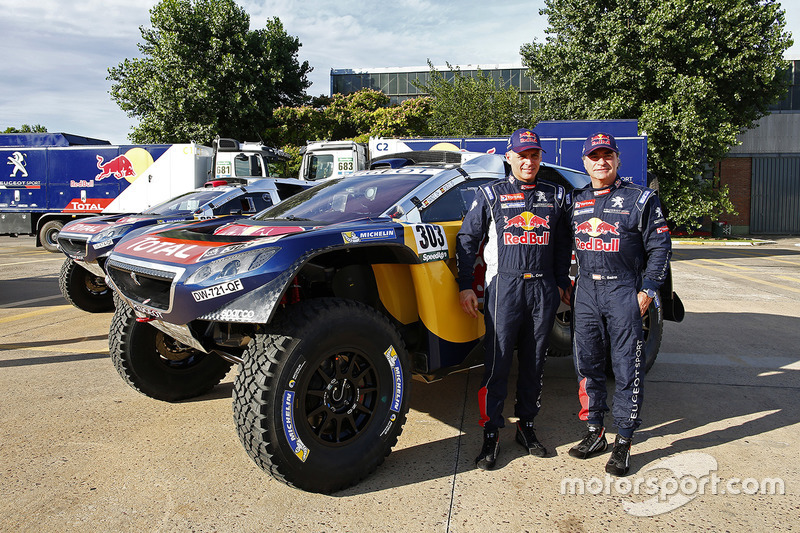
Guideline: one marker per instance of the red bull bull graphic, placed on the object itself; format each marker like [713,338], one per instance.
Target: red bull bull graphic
[120,167]
[595,228]
[528,222]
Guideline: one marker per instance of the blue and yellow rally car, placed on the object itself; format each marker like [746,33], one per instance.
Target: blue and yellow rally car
[328,301]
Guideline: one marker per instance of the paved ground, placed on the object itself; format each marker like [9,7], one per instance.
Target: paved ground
[81,451]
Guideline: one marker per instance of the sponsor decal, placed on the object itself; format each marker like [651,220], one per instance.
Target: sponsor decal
[19,162]
[541,196]
[397,373]
[617,211]
[236,314]
[596,244]
[257,231]
[81,183]
[216,291]
[644,197]
[20,184]
[527,237]
[527,221]
[437,193]
[595,227]
[354,237]
[662,229]
[602,192]
[120,167]
[87,205]
[659,213]
[601,139]
[584,211]
[617,202]
[431,242]
[155,247]
[147,311]
[85,228]
[289,429]
[525,187]
[129,220]
[222,250]
[489,194]
[511,197]
[513,205]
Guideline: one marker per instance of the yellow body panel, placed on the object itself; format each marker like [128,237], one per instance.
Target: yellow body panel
[428,291]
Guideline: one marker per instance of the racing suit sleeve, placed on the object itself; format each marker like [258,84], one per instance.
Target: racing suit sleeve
[470,236]
[657,244]
[562,246]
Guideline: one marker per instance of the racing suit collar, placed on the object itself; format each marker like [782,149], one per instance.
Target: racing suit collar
[523,185]
[607,189]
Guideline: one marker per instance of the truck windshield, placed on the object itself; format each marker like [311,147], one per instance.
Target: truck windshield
[185,203]
[320,167]
[347,198]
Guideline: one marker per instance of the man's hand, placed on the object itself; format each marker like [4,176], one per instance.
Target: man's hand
[469,302]
[566,295]
[644,302]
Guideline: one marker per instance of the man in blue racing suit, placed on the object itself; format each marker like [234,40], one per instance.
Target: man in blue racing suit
[622,245]
[524,223]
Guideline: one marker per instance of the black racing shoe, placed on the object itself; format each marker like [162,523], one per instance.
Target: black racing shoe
[619,462]
[594,443]
[489,451]
[527,437]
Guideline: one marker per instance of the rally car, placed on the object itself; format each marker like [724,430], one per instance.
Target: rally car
[88,241]
[329,301]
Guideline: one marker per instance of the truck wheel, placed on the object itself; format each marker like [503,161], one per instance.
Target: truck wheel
[83,289]
[157,365]
[48,235]
[322,395]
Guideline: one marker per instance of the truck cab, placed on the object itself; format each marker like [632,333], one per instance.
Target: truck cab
[242,162]
[323,160]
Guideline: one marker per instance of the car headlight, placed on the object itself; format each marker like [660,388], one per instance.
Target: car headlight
[228,267]
[111,233]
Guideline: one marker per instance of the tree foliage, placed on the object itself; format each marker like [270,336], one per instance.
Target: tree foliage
[26,128]
[695,73]
[356,116]
[203,73]
[474,105]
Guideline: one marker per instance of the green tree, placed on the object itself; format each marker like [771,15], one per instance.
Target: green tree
[203,73]
[27,128]
[356,116]
[695,73]
[474,105]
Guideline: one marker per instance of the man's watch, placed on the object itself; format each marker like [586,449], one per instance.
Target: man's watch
[650,293]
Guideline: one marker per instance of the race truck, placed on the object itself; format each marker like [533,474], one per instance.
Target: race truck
[329,302]
[87,242]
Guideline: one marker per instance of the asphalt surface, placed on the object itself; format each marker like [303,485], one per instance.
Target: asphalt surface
[81,451]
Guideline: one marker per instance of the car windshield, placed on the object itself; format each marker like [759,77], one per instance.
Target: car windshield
[347,198]
[185,203]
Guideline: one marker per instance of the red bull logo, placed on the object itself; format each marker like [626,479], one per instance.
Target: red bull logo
[527,221]
[594,227]
[528,137]
[120,167]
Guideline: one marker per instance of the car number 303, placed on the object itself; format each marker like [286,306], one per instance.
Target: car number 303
[431,242]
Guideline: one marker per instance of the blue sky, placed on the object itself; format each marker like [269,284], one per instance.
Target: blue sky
[57,53]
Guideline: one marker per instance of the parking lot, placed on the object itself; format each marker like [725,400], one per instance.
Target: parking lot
[718,449]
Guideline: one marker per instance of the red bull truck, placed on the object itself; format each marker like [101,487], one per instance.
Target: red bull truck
[49,179]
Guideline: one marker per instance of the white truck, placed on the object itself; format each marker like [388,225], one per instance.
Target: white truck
[330,159]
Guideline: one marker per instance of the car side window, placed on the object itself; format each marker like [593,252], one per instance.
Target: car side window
[454,204]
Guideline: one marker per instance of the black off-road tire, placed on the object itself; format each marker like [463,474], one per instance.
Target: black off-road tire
[322,395]
[561,335]
[83,289]
[157,365]
[48,235]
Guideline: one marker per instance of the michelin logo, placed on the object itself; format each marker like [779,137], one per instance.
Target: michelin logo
[354,237]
